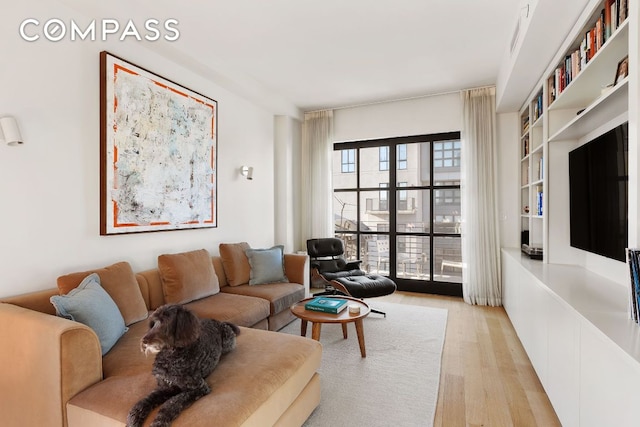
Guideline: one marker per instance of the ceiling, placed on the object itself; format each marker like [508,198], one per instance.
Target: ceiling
[309,55]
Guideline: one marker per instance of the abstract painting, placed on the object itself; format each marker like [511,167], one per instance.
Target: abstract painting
[158,152]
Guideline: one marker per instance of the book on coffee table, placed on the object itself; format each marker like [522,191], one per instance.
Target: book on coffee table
[326,305]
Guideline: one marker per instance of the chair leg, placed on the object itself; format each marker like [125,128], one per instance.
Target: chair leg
[379,312]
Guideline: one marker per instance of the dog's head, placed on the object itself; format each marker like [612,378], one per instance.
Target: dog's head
[170,326]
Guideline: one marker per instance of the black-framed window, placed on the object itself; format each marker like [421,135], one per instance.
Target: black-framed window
[415,211]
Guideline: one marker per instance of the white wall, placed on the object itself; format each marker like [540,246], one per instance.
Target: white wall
[432,114]
[287,140]
[49,187]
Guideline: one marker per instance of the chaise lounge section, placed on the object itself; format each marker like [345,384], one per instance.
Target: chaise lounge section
[55,373]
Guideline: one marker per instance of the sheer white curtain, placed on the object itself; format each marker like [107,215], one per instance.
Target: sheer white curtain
[317,187]
[480,233]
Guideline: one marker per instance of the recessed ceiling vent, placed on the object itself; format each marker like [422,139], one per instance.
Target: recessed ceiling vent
[524,12]
[515,36]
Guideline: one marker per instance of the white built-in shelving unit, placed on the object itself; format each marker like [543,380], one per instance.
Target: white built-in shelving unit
[590,92]
[532,205]
[570,310]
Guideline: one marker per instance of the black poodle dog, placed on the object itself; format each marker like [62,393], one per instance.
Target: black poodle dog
[187,350]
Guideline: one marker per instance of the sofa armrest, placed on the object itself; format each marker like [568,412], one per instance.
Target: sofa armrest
[45,361]
[296,267]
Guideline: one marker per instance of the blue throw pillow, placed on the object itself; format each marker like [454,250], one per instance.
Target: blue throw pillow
[267,265]
[91,305]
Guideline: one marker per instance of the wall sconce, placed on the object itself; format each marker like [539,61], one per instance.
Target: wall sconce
[247,172]
[9,131]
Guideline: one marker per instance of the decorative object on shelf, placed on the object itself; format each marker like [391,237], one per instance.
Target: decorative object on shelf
[9,131]
[526,209]
[158,152]
[603,91]
[622,71]
[532,252]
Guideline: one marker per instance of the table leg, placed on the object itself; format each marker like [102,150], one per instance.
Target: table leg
[303,328]
[344,330]
[315,331]
[360,332]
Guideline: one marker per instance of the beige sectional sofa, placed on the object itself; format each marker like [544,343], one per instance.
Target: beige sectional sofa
[52,372]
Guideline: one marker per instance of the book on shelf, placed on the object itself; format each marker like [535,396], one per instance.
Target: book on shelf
[622,6]
[525,146]
[551,89]
[607,19]
[540,169]
[525,124]
[536,107]
[326,305]
[539,198]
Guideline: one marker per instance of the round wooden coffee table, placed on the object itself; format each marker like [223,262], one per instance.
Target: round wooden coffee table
[318,318]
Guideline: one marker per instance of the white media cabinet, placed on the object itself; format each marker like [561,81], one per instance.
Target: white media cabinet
[575,328]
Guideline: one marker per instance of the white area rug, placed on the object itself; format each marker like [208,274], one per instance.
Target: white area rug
[396,384]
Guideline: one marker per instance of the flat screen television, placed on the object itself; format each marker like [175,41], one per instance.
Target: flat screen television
[598,199]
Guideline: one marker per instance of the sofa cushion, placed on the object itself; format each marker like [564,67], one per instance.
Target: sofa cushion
[239,309]
[91,305]
[126,358]
[120,283]
[258,380]
[235,262]
[280,296]
[267,265]
[187,276]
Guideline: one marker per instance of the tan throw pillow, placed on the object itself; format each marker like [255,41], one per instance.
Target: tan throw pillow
[235,262]
[120,283]
[187,276]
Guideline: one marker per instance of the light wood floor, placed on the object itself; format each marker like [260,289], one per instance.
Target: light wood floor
[487,378]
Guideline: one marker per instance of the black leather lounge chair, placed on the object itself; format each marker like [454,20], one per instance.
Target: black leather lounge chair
[329,269]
